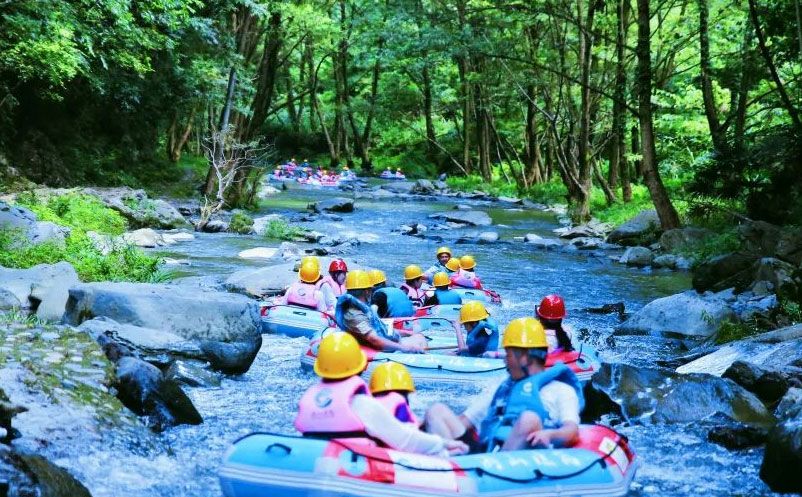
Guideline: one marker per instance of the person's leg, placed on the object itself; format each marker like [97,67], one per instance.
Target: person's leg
[527,423]
[441,420]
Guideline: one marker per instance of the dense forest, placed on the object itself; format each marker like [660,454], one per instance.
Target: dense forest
[696,101]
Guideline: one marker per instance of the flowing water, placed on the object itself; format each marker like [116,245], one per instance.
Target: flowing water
[676,460]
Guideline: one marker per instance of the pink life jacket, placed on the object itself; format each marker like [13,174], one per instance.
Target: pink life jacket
[465,279]
[335,287]
[303,294]
[398,406]
[326,409]
[417,296]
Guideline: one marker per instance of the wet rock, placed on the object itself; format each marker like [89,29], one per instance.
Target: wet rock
[781,275]
[8,410]
[290,251]
[258,253]
[637,256]
[462,207]
[141,211]
[399,186]
[31,475]
[207,318]
[511,200]
[423,187]
[192,374]
[789,246]
[783,457]
[685,314]
[144,237]
[588,243]
[542,243]
[263,282]
[470,218]
[41,289]
[487,237]
[667,261]
[768,385]
[215,226]
[440,185]
[642,229]
[158,347]
[142,388]
[661,396]
[683,239]
[336,204]
[739,436]
[178,237]
[415,229]
[616,308]
[593,229]
[724,271]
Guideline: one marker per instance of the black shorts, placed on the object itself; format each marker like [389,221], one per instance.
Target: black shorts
[471,439]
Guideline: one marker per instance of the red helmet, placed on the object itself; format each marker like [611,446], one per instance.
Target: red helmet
[338,265]
[552,307]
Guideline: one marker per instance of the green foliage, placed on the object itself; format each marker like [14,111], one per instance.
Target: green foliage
[76,211]
[731,331]
[278,229]
[241,223]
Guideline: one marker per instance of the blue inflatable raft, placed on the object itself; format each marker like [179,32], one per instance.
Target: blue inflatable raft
[294,321]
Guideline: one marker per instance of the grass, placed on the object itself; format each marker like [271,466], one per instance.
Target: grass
[278,229]
[76,211]
[241,223]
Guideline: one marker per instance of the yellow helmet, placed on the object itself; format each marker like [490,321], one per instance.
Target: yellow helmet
[310,258]
[357,280]
[391,376]
[467,262]
[377,276]
[473,311]
[526,333]
[441,279]
[453,264]
[412,272]
[309,272]
[443,250]
[339,356]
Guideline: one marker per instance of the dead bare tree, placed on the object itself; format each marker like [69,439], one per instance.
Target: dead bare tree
[231,163]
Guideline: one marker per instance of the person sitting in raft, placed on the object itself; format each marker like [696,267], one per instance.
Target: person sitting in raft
[550,313]
[482,331]
[466,277]
[306,291]
[341,406]
[533,407]
[391,385]
[413,285]
[333,284]
[399,174]
[442,295]
[443,255]
[354,315]
[390,302]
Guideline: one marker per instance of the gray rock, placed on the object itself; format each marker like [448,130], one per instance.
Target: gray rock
[336,204]
[542,243]
[192,374]
[45,231]
[260,223]
[789,247]
[462,207]
[781,275]
[660,396]
[587,243]
[262,282]
[207,318]
[758,238]
[724,271]
[290,251]
[470,218]
[8,300]
[768,385]
[143,237]
[748,307]
[423,187]
[783,457]
[592,229]
[215,226]
[685,314]
[668,261]
[681,239]
[642,229]
[415,229]
[258,253]
[178,237]
[16,218]
[399,186]
[738,437]
[487,237]
[142,388]
[41,289]
[26,474]
[511,200]
[440,185]
[140,210]
[103,243]
[637,256]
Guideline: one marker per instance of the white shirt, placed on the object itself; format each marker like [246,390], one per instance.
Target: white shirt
[559,399]
[406,437]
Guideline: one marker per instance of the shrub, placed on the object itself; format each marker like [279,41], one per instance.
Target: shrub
[278,229]
[77,211]
[240,223]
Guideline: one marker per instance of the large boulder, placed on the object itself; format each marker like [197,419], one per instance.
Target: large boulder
[592,229]
[260,223]
[782,460]
[45,231]
[258,253]
[141,211]
[24,474]
[642,229]
[637,256]
[759,238]
[264,281]
[686,314]
[768,385]
[399,186]
[423,187]
[335,204]
[789,247]
[143,237]
[470,218]
[41,289]
[542,243]
[683,239]
[16,218]
[662,396]
[211,319]
[724,271]
[780,275]
[143,388]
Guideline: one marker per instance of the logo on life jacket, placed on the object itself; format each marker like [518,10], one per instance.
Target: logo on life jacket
[527,389]
[323,398]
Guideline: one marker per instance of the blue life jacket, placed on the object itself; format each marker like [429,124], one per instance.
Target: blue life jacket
[483,337]
[514,397]
[398,303]
[436,268]
[448,297]
[347,300]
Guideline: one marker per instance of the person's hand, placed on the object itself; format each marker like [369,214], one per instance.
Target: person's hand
[455,447]
[414,348]
[540,437]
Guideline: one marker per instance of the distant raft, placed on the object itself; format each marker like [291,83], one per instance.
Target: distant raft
[264,464]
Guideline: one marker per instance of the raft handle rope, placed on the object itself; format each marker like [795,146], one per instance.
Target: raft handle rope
[278,445]
[439,367]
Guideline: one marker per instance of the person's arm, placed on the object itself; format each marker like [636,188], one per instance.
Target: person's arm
[329,297]
[381,424]
[322,304]
[380,301]
[562,403]
[476,412]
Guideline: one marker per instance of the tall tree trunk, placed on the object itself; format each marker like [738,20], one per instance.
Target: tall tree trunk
[717,131]
[266,78]
[582,206]
[211,179]
[464,65]
[292,110]
[651,176]
[431,137]
[618,159]
[531,171]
